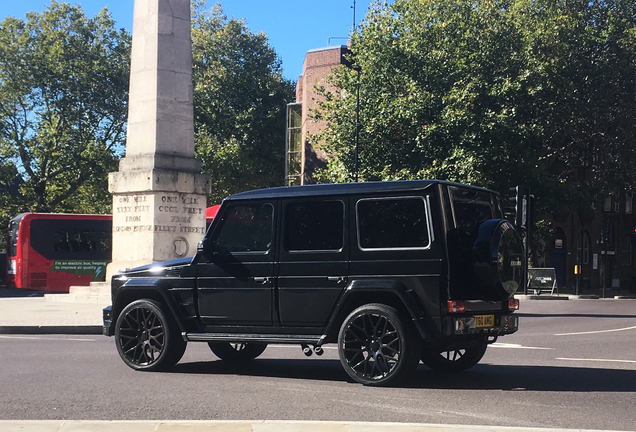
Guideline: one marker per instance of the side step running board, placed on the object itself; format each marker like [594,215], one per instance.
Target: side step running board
[263,338]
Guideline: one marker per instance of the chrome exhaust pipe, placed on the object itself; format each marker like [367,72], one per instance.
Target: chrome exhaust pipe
[306,350]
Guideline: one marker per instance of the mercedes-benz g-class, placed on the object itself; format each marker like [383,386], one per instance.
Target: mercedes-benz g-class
[391,272]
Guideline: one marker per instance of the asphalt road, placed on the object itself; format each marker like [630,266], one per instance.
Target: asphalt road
[571,365]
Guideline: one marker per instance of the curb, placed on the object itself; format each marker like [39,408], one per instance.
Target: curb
[542,297]
[69,330]
[573,297]
[254,426]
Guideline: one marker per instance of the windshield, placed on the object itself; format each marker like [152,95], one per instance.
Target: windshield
[12,236]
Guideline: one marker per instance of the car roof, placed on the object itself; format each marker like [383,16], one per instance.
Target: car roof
[343,189]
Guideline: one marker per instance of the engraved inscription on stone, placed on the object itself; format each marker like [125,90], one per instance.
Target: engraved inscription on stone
[174,213]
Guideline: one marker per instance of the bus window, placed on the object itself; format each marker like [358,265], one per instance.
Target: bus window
[105,241]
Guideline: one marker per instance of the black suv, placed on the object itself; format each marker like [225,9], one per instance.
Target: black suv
[393,272]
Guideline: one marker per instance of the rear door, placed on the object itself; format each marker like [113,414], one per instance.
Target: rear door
[395,240]
[313,263]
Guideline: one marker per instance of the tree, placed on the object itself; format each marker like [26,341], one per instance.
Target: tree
[63,106]
[240,99]
[493,93]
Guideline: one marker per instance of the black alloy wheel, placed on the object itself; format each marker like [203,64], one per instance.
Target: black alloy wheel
[147,338]
[455,360]
[237,352]
[376,347]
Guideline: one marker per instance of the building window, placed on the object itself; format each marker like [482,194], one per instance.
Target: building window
[584,248]
[612,204]
[293,144]
[607,235]
[628,202]
[627,251]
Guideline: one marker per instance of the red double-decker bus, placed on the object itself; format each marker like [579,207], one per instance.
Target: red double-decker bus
[52,252]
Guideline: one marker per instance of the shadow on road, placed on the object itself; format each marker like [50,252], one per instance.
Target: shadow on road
[481,377]
[310,369]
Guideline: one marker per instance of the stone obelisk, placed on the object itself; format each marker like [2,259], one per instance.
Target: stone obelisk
[159,193]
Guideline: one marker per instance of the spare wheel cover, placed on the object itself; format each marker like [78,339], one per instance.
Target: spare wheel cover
[498,257]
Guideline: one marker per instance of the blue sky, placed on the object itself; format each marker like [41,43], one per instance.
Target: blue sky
[293,27]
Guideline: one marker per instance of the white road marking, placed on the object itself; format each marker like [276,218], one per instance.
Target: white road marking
[516,346]
[46,338]
[596,331]
[597,360]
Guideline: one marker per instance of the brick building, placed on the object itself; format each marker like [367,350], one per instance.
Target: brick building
[599,244]
[302,158]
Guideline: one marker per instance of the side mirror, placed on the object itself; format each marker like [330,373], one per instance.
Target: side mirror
[206,246]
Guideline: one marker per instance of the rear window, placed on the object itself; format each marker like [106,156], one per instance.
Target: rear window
[471,207]
[392,223]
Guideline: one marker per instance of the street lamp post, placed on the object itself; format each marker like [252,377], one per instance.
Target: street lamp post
[357,68]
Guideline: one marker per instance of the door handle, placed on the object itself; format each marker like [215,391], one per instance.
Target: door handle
[263,280]
[336,279]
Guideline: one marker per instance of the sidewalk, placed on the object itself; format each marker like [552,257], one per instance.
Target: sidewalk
[28,312]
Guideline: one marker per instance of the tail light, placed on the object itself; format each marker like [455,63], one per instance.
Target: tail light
[456,306]
[513,304]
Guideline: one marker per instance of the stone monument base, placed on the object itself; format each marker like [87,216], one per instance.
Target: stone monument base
[158,215]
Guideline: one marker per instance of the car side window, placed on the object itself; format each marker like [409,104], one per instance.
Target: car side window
[393,223]
[314,226]
[245,228]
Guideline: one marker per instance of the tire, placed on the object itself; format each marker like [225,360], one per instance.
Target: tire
[498,258]
[147,338]
[377,347]
[237,352]
[456,360]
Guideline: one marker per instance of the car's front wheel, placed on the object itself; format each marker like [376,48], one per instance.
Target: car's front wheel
[237,352]
[455,360]
[377,347]
[147,338]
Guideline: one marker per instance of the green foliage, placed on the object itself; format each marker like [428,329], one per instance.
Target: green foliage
[491,92]
[240,99]
[63,105]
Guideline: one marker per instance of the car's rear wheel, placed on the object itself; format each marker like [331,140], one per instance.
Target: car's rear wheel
[377,347]
[147,338]
[237,352]
[455,360]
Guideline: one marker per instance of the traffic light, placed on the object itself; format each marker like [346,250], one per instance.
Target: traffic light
[632,235]
[521,199]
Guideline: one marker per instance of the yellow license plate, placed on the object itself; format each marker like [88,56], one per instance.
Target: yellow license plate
[484,320]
